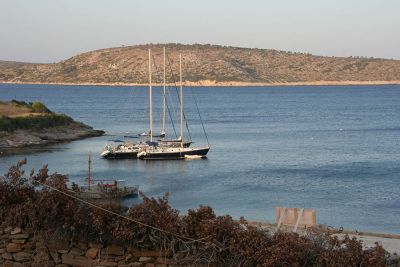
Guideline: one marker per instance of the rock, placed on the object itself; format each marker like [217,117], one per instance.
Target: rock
[107,257]
[163,260]
[7,229]
[22,256]
[136,264]
[393,260]
[77,252]
[58,245]
[150,265]
[27,245]
[113,250]
[146,259]
[7,256]
[40,244]
[18,241]
[16,230]
[95,245]
[4,237]
[147,253]
[55,256]
[82,245]
[129,256]
[2,250]
[12,264]
[62,251]
[122,262]
[119,258]
[19,236]
[43,264]
[92,253]
[61,265]
[41,255]
[108,263]
[76,260]
[12,247]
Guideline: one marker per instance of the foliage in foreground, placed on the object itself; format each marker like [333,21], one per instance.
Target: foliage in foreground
[220,239]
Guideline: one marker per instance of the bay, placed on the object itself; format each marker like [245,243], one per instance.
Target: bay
[332,148]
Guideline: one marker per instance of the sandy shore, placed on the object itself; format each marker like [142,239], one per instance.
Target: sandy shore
[207,83]
[390,242]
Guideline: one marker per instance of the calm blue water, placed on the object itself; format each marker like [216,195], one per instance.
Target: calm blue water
[335,149]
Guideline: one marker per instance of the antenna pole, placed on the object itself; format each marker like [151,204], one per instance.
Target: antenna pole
[151,100]
[181,96]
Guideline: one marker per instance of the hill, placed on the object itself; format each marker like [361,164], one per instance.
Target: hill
[204,64]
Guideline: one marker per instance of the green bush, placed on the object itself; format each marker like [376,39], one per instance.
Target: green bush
[33,122]
[36,107]
[39,107]
[21,103]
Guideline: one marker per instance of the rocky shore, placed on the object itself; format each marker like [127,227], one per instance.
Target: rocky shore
[28,138]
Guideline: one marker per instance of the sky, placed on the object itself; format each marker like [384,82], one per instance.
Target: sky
[53,30]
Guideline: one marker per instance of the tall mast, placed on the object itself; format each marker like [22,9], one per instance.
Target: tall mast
[151,100]
[164,104]
[181,96]
[89,163]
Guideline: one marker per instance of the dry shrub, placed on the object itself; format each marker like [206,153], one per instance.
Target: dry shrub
[220,239]
[349,252]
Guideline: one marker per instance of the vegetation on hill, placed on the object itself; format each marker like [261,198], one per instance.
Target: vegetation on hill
[199,236]
[35,107]
[33,122]
[202,63]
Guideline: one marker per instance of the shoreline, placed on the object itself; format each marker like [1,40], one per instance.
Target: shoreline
[32,138]
[207,83]
[389,241]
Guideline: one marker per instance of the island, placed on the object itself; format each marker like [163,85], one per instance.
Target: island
[204,65]
[32,124]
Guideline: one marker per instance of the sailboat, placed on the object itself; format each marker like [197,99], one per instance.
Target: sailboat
[165,142]
[130,150]
[168,152]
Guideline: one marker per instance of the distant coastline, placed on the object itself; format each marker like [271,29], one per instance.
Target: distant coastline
[204,65]
[220,84]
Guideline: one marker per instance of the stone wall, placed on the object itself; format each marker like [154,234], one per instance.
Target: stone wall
[19,248]
[22,248]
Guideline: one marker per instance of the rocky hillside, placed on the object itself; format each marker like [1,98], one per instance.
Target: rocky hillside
[202,63]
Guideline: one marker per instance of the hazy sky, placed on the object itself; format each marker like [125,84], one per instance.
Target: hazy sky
[53,30]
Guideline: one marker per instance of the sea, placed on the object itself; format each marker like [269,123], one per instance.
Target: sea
[335,149]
